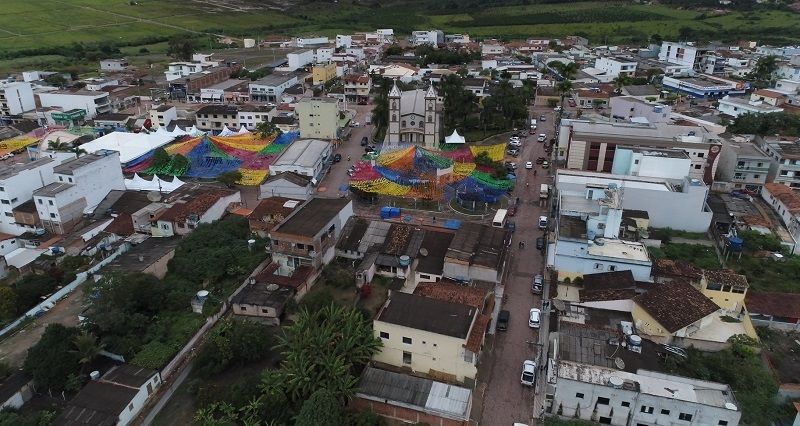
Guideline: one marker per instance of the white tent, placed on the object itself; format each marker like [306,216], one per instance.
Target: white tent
[138,183]
[177,131]
[226,131]
[243,131]
[194,131]
[455,138]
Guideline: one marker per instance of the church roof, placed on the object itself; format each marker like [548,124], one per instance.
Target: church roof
[412,102]
[395,92]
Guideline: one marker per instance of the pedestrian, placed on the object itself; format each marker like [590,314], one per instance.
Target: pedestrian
[434,218]
[534,172]
[527,184]
[521,244]
[517,200]
[348,158]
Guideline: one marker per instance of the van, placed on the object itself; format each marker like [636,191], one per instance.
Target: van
[502,320]
[544,191]
[542,222]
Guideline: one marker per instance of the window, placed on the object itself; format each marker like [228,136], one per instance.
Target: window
[5,201]
[407,340]
[698,166]
[602,400]
[647,410]
[756,176]
[384,335]
[2,189]
[625,404]
[425,276]
[604,420]
[52,215]
[406,357]
[579,395]
[612,267]
[685,416]
[50,202]
[70,180]
[130,407]
[723,423]
[61,178]
[598,266]
[701,154]
[635,161]
[665,412]
[9,214]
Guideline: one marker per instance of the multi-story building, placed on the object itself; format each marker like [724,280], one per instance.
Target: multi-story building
[681,53]
[318,117]
[93,103]
[415,116]
[19,181]
[590,146]
[114,65]
[357,87]
[163,115]
[704,86]
[271,87]
[190,86]
[344,41]
[305,157]
[251,115]
[785,159]
[629,107]
[323,73]
[743,165]
[310,41]
[181,69]
[16,98]
[217,117]
[299,59]
[79,186]
[429,336]
[614,66]
[786,204]
[307,237]
[735,107]
[429,37]
[671,164]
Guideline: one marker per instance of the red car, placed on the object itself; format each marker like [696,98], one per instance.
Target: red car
[512,210]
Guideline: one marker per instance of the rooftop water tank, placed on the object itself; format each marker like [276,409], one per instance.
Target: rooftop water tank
[735,243]
[405,260]
[202,295]
[634,340]
[615,382]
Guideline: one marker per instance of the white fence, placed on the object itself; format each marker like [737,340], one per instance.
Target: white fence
[67,289]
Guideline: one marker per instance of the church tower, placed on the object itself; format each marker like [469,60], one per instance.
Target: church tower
[432,119]
[393,132]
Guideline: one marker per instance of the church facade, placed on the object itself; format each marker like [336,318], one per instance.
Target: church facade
[415,117]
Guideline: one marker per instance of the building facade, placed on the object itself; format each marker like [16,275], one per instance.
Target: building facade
[16,98]
[415,117]
[318,117]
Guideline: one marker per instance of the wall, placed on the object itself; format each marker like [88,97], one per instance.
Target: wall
[646,324]
[19,189]
[401,413]
[318,119]
[19,98]
[282,188]
[623,106]
[218,209]
[138,403]
[571,260]
[73,101]
[446,356]
[262,312]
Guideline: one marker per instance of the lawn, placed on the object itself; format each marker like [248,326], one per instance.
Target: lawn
[781,348]
[698,255]
[764,274]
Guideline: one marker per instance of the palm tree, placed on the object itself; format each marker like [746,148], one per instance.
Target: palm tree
[78,151]
[564,88]
[621,81]
[569,70]
[57,145]
[87,347]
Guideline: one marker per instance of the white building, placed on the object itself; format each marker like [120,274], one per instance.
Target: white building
[19,181]
[93,103]
[16,98]
[669,204]
[163,115]
[310,41]
[631,108]
[415,116]
[679,53]
[622,398]
[614,66]
[672,164]
[113,65]
[79,186]
[271,87]
[430,37]
[344,41]
[743,165]
[324,54]
[786,204]
[318,117]
[735,107]
[182,69]
[287,185]
[305,157]
[299,59]
[385,35]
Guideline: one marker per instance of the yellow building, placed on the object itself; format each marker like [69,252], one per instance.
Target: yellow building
[726,288]
[427,336]
[672,309]
[323,73]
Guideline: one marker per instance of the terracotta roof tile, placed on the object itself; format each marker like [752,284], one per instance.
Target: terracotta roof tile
[785,305]
[675,305]
[725,277]
[297,279]
[475,339]
[785,195]
[197,205]
[676,268]
[451,292]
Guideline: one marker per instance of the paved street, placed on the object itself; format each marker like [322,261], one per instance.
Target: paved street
[337,176]
[505,400]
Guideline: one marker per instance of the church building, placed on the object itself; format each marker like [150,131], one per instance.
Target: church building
[415,117]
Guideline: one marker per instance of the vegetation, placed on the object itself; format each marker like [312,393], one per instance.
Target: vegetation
[459,103]
[761,75]
[230,178]
[232,343]
[782,123]
[426,54]
[322,407]
[741,368]
[53,362]
[698,255]
[38,418]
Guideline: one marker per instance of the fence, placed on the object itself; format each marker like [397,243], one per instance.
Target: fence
[64,291]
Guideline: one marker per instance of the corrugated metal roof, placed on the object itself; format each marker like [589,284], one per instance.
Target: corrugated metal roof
[449,400]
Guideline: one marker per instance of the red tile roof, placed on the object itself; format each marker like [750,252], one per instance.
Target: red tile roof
[768,93]
[296,280]
[785,305]
[676,305]
[122,225]
[676,268]
[475,339]
[197,205]
[451,292]
[785,195]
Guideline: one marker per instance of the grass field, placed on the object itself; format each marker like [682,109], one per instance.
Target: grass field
[42,24]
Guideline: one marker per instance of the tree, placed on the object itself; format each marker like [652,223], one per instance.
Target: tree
[458,103]
[230,178]
[321,407]
[30,290]
[598,103]
[621,81]
[265,129]
[59,146]
[761,75]
[160,158]
[87,347]
[180,48]
[51,360]
[564,88]
[8,303]
[232,343]
[566,70]
[392,50]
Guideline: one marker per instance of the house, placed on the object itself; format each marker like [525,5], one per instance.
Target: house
[670,164]
[228,91]
[644,92]
[774,310]
[18,182]
[735,107]
[271,87]
[305,157]
[286,184]
[15,391]
[148,257]
[615,66]
[785,155]
[114,65]
[16,98]
[429,37]
[308,235]
[725,288]
[429,337]
[591,98]
[163,115]
[743,164]
[112,121]
[181,69]
[217,117]
[590,146]
[357,87]
[79,186]
[411,399]
[632,108]
[703,86]
[673,309]
[190,207]
[90,102]
[262,301]
[269,212]
[323,73]
[767,96]
[318,117]
[114,399]
[477,252]
[786,204]
[415,116]
[478,86]
[190,86]
[666,271]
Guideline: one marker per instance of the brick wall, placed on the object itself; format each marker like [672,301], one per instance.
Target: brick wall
[402,413]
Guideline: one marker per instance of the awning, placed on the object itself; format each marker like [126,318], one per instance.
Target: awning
[455,138]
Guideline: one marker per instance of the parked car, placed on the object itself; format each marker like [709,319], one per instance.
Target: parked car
[541,137]
[511,165]
[337,158]
[542,118]
[364,141]
[557,109]
[534,318]
[511,226]
[539,243]
[515,144]
[538,282]
[502,320]
[545,164]
[542,222]
[529,165]
[354,124]
[540,160]
[512,152]
[528,377]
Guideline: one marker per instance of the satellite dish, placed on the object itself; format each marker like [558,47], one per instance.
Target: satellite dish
[154,196]
[273,287]
[423,252]
[619,363]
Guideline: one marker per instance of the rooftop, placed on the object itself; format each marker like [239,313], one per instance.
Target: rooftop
[7,172]
[129,375]
[263,294]
[757,106]
[309,219]
[69,167]
[453,402]
[53,189]
[641,90]
[676,305]
[149,251]
[198,204]
[479,245]
[616,285]
[452,292]
[581,178]
[619,249]
[783,305]
[302,153]
[645,134]
[592,345]
[274,79]
[785,195]
[435,244]
[353,233]
[295,178]
[726,277]
[98,403]
[676,269]
[424,313]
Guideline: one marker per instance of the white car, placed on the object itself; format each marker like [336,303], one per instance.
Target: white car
[541,137]
[542,222]
[515,143]
[534,320]
[529,165]
[528,373]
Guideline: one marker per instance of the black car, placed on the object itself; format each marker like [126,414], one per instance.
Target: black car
[540,243]
[337,158]
[369,149]
[502,320]
[539,160]
[364,141]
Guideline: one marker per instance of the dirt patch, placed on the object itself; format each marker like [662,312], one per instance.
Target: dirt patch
[783,351]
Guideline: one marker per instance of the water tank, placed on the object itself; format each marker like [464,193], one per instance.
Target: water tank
[615,382]
[202,295]
[405,260]
[634,340]
[731,406]
[94,375]
[590,234]
[250,243]
[735,243]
